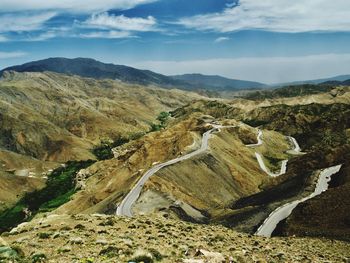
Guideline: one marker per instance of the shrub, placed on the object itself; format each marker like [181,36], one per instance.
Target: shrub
[142,258]
[156,254]
[44,235]
[38,258]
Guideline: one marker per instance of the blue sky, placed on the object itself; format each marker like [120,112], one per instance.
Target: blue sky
[269,41]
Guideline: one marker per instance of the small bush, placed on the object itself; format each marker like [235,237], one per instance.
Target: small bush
[155,127]
[109,252]
[38,258]
[44,235]
[142,258]
[80,227]
[156,254]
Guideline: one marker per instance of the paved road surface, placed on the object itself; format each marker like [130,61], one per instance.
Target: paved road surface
[260,133]
[281,213]
[124,208]
[267,170]
[296,149]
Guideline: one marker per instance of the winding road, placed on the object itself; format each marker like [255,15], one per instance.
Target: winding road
[125,207]
[296,150]
[260,142]
[270,223]
[282,212]
[266,170]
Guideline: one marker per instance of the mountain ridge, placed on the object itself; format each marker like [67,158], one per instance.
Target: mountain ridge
[338,78]
[87,67]
[216,82]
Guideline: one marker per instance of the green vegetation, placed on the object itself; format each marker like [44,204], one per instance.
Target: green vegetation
[104,151]
[60,187]
[163,119]
[11,254]
[39,258]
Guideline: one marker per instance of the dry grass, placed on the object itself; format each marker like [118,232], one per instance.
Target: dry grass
[100,238]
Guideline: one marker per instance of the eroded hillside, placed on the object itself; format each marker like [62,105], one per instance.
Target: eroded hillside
[49,118]
[249,167]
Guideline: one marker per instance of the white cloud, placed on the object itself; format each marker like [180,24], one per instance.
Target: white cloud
[221,39]
[123,23]
[78,6]
[3,38]
[24,21]
[268,69]
[107,34]
[17,54]
[42,37]
[276,15]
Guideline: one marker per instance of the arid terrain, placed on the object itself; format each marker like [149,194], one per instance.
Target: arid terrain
[49,118]
[72,148]
[102,238]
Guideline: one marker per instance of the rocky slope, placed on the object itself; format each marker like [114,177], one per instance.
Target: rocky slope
[101,238]
[49,118]
[210,182]
[323,133]
[326,215]
[58,117]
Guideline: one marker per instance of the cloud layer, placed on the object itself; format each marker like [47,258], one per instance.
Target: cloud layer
[276,15]
[77,6]
[107,34]
[24,21]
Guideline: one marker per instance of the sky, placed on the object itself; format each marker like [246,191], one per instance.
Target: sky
[270,41]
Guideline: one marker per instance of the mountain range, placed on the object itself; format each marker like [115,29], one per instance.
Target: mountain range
[332,80]
[73,149]
[91,68]
[215,82]
[86,67]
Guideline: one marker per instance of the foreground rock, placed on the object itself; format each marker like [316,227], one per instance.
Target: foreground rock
[78,239]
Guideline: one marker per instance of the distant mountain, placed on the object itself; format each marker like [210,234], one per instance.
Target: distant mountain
[91,68]
[217,83]
[340,78]
[86,67]
[290,91]
[337,82]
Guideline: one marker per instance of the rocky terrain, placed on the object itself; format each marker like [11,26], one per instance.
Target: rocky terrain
[72,147]
[101,238]
[49,118]
[57,117]
[324,216]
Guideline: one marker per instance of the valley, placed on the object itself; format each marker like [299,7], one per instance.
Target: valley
[102,153]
